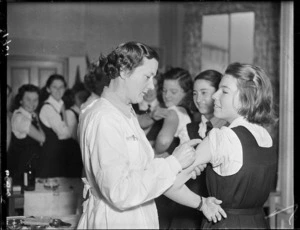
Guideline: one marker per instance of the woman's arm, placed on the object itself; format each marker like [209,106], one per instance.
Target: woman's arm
[203,156]
[166,134]
[181,194]
[209,206]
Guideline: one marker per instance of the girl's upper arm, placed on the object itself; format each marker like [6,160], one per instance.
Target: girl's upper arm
[167,132]
[203,152]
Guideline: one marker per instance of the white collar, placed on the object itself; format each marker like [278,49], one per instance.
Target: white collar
[56,104]
[260,134]
[204,119]
[202,126]
[89,102]
[126,109]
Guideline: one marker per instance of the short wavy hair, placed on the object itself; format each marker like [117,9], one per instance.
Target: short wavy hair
[185,81]
[126,57]
[22,90]
[255,93]
[95,80]
[54,77]
[213,76]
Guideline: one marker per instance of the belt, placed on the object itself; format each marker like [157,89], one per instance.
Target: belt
[88,190]
[247,211]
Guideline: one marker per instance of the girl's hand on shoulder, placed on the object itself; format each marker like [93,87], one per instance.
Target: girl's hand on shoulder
[159,113]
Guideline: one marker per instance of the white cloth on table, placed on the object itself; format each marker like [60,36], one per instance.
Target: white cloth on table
[226,147]
[122,175]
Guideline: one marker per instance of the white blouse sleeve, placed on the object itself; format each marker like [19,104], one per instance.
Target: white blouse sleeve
[53,120]
[226,150]
[183,135]
[72,123]
[20,125]
[122,184]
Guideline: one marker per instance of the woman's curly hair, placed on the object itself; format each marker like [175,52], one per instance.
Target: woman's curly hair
[126,57]
[95,80]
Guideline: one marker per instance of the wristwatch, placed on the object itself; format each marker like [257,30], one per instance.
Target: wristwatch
[200,204]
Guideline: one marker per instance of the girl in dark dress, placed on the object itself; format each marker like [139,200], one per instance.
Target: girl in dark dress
[242,156]
[205,85]
[27,134]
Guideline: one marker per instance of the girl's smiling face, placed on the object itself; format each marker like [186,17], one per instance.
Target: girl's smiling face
[30,101]
[172,93]
[202,95]
[227,100]
[57,89]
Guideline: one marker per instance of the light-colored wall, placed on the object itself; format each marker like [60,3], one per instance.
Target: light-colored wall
[76,29]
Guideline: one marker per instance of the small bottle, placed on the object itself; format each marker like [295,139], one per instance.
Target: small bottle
[8,183]
[29,178]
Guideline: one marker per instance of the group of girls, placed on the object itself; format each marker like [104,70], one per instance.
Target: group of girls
[175,120]
[43,131]
[124,177]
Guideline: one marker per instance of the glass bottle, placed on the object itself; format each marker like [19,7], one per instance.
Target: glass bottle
[29,178]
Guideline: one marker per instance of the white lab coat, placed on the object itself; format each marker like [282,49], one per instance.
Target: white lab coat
[123,178]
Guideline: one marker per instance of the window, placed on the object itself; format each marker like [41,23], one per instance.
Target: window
[227,38]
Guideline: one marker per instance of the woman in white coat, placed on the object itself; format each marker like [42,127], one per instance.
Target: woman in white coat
[122,176]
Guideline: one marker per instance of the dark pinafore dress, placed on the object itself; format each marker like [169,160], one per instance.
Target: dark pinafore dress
[53,160]
[20,152]
[186,217]
[73,154]
[245,192]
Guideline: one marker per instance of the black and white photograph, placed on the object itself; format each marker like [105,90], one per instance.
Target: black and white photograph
[147,115]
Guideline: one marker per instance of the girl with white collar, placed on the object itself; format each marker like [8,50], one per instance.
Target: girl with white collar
[27,134]
[53,162]
[243,156]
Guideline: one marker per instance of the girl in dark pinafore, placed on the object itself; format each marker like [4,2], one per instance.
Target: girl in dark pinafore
[205,85]
[54,160]
[242,156]
[27,134]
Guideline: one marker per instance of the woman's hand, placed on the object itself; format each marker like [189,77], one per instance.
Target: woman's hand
[185,153]
[212,210]
[197,170]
